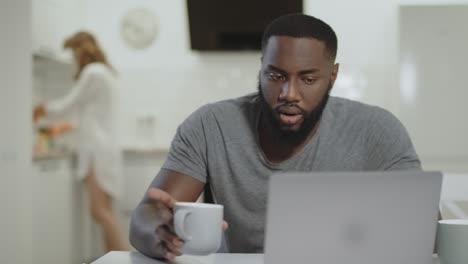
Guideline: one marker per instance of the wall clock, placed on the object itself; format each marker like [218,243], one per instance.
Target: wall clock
[139,28]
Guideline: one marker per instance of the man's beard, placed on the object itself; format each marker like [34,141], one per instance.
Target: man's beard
[291,137]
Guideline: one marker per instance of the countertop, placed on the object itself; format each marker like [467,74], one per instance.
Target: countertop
[125,257]
[67,153]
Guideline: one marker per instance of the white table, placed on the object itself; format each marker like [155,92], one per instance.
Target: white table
[125,257]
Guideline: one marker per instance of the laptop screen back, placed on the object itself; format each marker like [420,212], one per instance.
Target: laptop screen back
[365,218]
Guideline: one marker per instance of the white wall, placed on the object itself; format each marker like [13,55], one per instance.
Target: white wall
[15,139]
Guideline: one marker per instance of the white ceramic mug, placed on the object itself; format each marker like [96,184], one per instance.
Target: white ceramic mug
[200,226]
[452,241]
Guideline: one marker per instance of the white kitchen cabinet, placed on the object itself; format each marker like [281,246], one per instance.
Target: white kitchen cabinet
[54,219]
[52,22]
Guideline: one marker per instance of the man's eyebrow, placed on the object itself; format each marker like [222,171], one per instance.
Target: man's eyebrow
[307,71]
[271,67]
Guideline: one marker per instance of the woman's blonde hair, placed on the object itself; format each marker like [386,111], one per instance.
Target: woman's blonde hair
[86,50]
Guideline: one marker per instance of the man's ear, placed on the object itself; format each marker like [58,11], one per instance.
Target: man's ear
[334,73]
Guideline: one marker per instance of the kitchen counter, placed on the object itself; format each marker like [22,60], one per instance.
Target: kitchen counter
[148,151]
[58,208]
[127,151]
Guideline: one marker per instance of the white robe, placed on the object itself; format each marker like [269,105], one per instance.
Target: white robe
[93,100]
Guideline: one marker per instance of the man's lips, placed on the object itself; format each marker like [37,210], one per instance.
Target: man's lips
[289,110]
[290,120]
[289,115]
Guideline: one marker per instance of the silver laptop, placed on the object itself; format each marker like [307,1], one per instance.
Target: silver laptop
[352,218]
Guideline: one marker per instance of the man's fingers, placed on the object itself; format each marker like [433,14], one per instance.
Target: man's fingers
[172,241]
[165,252]
[165,214]
[170,255]
[159,195]
[225,225]
[165,234]
[172,249]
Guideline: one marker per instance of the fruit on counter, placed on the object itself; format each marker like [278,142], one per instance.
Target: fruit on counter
[44,141]
[56,129]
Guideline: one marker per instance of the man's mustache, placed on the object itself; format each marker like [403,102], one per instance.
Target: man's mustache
[289,108]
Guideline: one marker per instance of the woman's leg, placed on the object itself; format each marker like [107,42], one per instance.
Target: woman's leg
[100,204]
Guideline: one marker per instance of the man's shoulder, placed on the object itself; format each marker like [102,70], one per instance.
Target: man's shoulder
[230,107]
[239,103]
[350,109]
[360,117]
[343,104]
[225,111]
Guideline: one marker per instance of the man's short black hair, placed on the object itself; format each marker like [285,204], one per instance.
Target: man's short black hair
[302,26]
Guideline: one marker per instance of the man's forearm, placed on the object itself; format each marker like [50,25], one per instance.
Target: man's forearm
[142,231]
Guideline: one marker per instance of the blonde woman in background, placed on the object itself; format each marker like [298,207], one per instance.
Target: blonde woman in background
[93,100]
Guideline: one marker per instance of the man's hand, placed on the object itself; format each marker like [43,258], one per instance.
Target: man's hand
[169,243]
[163,204]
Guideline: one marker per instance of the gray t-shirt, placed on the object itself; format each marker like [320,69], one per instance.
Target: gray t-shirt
[218,144]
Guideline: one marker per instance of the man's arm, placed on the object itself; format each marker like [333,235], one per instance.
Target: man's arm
[151,230]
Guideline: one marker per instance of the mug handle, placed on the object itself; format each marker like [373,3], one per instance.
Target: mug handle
[179,219]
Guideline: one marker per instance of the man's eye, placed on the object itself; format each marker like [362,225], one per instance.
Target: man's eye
[275,76]
[310,80]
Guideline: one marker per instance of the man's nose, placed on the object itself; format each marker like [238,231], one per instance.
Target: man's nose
[289,91]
